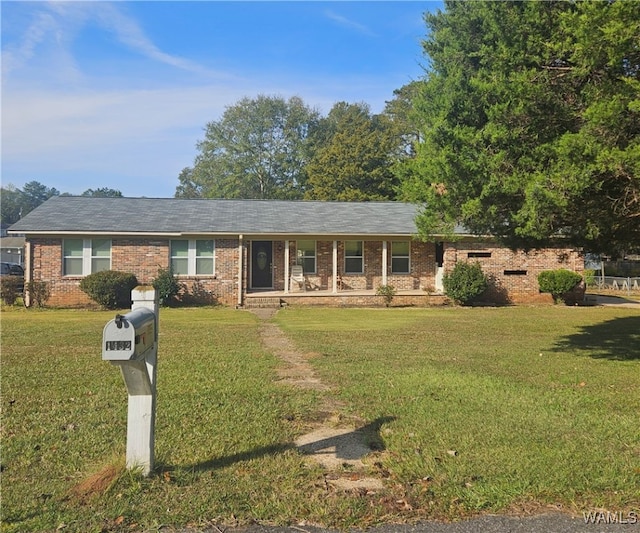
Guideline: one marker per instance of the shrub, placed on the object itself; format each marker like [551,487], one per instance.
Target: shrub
[10,288]
[589,276]
[387,292]
[558,282]
[39,292]
[167,286]
[465,282]
[110,288]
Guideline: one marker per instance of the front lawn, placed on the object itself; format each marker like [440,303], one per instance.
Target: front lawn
[499,410]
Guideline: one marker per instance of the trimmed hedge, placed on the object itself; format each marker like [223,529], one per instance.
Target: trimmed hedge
[465,283]
[558,283]
[110,288]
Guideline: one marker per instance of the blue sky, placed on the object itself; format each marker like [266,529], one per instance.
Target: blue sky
[116,94]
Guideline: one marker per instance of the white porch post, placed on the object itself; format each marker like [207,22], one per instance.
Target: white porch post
[335,267]
[286,266]
[384,262]
[240,269]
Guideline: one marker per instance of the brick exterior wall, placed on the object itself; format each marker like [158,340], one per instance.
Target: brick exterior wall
[513,274]
[142,257]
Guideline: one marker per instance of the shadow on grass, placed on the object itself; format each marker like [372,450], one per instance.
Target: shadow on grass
[228,460]
[344,444]
[617,339]
[369,433]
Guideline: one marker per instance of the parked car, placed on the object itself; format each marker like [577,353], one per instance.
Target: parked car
[13,269]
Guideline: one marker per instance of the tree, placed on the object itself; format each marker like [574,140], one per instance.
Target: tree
[15,203]
[10,204]
[102,192]
[402,114]
[352,154]
[257,150]
[35,193]
[530,123]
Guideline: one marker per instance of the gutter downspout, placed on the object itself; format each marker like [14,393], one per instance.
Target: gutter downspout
[334,289]
[240,268]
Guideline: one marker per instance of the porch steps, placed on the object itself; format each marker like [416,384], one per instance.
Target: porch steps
[263,303]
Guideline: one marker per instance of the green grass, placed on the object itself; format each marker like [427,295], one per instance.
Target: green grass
[541,404]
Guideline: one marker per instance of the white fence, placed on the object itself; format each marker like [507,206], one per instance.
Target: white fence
[614,283]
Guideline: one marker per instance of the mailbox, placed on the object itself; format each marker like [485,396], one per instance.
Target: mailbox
[128,337]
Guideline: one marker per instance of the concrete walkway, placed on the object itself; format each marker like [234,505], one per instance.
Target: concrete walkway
[333,441]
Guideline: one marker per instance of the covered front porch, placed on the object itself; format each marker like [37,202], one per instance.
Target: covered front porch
[339,272]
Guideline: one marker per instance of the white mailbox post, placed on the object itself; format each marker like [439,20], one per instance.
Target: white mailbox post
[131,342]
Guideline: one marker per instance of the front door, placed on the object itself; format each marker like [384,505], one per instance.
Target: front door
[262,265]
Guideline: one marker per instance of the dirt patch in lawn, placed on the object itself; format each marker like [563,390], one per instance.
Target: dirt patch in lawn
[337,444]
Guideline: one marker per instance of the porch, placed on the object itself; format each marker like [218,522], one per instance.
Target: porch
[345,298]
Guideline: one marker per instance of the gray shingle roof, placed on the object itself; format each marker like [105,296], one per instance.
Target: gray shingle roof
[182,216]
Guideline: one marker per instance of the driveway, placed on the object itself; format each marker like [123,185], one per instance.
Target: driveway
[612,301]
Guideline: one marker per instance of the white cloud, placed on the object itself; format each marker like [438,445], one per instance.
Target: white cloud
[56,25]
[71,130]
[348,23]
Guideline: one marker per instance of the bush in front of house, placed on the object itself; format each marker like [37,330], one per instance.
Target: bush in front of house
[39,292]
[465,283]
[387,292]
[110,288]
[167,286]
[10,288]
[558,283]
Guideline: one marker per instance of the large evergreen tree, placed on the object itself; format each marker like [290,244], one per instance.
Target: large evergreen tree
[530,123]
[257,150]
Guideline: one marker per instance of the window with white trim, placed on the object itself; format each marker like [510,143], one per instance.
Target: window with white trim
[81,257]
[353,257]
[193,257]
[400,257]
[306,252]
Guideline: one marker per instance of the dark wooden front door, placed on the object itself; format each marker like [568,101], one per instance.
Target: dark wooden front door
[261,264]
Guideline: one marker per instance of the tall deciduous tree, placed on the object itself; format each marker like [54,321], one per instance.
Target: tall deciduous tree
[257,150]
[352,154]
[530,123]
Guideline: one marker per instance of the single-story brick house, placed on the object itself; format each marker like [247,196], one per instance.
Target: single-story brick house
[241,251]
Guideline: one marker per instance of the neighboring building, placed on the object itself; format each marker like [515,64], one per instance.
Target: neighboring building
[238,251]
[12,250]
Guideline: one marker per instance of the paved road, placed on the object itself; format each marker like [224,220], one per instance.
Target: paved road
[547,523]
